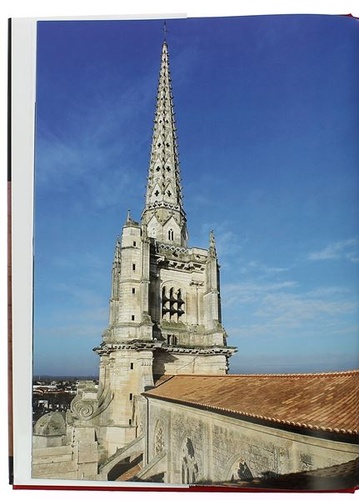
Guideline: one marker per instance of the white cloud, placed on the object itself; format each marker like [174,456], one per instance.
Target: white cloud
[252,292]
[74,331]
[345,249]
[99,150]
[276,309]
[228,242]
[79,261]
[82,295]
[262,268]
[294,309]
[67,165]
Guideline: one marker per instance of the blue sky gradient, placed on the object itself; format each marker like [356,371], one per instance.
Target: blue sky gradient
[268,126]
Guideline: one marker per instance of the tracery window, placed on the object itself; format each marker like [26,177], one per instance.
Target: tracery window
[159,441]
[241,471]
[190,467]
[172,304]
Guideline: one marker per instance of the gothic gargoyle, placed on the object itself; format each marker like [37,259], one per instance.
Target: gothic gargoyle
[161,259]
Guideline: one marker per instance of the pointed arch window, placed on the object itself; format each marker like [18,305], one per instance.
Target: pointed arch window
[170,235]
[190,469]
[172,306]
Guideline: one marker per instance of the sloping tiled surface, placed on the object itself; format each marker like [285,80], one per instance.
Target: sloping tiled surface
[326,401]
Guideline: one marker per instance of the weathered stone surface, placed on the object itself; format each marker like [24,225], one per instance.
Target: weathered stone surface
[202,445]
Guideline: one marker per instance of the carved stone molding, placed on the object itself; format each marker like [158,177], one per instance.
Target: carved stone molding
[86,405]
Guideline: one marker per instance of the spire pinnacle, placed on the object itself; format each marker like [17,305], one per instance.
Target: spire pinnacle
[165,30]
[164,190]
[212,244]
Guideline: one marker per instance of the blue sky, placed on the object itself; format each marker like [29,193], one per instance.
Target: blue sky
[266,110]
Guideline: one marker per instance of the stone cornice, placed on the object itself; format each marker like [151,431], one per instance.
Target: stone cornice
[138,345]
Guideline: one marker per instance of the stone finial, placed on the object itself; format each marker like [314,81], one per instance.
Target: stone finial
[212,244]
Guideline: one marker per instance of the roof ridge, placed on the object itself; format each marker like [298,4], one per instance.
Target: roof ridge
[299,374]
[289,375]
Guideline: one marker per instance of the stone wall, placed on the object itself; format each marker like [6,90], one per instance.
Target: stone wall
[77,459]
[174,362]
[204,446]
[54,463]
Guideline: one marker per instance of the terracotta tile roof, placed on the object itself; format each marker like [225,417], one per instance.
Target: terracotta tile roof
[163,378]
[317,402]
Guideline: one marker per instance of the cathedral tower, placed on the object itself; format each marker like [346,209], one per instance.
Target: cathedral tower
[165,309]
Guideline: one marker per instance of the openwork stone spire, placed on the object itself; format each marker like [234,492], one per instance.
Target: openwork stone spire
[163,213]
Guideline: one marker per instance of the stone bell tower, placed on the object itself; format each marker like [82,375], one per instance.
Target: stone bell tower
[165,307]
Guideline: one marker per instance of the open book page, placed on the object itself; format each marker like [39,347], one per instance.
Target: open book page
[195,253]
